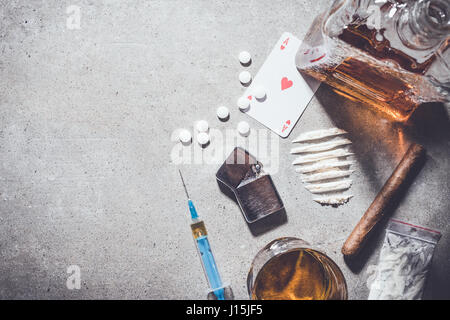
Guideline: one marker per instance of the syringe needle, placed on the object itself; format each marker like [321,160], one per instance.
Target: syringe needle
[192,209]
[184,185]
[206,256]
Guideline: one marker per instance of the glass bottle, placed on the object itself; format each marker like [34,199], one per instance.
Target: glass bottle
[290,269]
[391,54]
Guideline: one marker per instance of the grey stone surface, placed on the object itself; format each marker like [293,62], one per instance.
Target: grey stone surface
[86,135]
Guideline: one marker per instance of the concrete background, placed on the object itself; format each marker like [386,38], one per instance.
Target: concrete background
[87,119]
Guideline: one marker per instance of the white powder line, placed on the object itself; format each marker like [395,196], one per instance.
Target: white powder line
[319,134]
[323,146]
[330,186]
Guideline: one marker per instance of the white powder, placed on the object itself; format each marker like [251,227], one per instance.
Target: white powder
[403,265]
[333,200]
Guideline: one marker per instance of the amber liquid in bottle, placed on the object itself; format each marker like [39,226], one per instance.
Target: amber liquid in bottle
[299,274]
[368,68]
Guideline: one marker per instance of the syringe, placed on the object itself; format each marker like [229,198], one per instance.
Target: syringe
[204,249]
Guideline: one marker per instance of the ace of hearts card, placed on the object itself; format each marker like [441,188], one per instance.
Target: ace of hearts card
[287,91]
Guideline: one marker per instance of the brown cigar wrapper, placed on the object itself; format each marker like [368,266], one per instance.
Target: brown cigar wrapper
[412,158]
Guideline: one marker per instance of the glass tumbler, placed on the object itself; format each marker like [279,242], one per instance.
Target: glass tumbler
[290,269]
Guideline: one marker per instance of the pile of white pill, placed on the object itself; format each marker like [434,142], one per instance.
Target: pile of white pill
[202,126]
[243,128]
[245,77]
[222,112]
[185,137]
[245,58]
[259,92]
[243,103]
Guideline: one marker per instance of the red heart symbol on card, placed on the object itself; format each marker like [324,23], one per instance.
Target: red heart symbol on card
[286,83]
[284,44]
[285,126]
[249,97]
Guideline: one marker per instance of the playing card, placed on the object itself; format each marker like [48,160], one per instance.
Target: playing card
[287,91]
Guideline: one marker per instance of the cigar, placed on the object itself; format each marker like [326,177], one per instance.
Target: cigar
[405,170]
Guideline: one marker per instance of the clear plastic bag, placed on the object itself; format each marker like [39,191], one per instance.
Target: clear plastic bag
[404,262]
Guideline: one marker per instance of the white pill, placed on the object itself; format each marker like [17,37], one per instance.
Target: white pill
[222,112]
[243,128]
[203,138]
[245,77]
[259,92]
[202,126]
[185,136]
[244,57]
[243,103]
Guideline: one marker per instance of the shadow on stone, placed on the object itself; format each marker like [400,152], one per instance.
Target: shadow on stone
[376,235]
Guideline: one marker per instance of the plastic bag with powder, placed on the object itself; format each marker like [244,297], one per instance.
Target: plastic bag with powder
[404,262]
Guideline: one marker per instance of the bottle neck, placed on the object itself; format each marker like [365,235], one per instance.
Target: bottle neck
[424,24]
